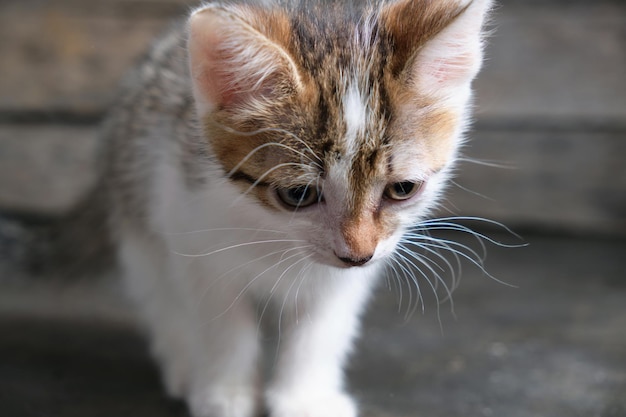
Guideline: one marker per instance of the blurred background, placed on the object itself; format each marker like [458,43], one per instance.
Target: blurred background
[547,157]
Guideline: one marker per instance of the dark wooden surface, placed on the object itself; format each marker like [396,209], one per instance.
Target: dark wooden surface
[65,57]
[553,346]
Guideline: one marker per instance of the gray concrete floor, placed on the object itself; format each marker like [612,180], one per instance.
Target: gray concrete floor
[554,346]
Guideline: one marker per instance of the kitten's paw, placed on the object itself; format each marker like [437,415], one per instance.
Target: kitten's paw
[175,373]
[175,381]
[311,405]
[224,402]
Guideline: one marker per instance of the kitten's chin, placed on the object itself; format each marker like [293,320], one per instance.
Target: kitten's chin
[333,261]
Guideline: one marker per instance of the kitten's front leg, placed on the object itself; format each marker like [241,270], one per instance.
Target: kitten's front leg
[226,381]
[226,348]
[308,380]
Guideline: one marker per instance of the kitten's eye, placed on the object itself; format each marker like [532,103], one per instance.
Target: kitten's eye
[400,191]
[298,197]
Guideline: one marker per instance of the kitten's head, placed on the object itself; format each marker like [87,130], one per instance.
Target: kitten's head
[341,124]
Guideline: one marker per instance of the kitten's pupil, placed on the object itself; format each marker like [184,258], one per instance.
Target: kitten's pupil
[404,188]
[299,193]
[298,197]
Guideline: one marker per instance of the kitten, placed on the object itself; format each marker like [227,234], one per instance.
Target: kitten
[267,164]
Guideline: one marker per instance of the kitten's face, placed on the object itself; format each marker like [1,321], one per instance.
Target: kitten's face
[349,180]
[343,132]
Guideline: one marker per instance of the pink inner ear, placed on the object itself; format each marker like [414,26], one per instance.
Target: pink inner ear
[218,79]
[214,80]
[232,64]
[451,69]
[205,83]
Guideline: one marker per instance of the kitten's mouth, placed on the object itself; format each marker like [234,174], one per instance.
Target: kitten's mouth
[336,261]
[352,262]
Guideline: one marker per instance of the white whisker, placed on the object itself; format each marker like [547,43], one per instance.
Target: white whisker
[410,265]
[455,273]
[483,196]
[224,229]
[438,277]
[278,280]
[420,252]
[318,161]
[409,277]
[487,163]
[239,245]
[295,301]
[434,286]
[241,266]
[251,282]
[262,177]
[476,260]
[267,145]
[282,307]
[448,222]
[391,262]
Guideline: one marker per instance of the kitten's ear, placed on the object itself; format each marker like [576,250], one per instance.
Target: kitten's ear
[438,43]
[238,58]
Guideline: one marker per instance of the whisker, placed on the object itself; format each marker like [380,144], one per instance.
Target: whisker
[398,284]
[487,163]
[239,245]
[448,222]
[276,130]
[262,177]
[267,145]
[477,260]
[434,288]
[304,275]
[409,277]
[295,210]
[403,276]
[455,273]
[250,283]
[483,196]
[240,266]
[439,279]
[431,251]
[419,252]
[317,161]
[224,229]
[282,307]
[273,289]
[437,243]
[423,273]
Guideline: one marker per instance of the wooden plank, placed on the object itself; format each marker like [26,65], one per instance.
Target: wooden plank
[45,169]
[545,61]
[555,60]
[68,56]
[554,180]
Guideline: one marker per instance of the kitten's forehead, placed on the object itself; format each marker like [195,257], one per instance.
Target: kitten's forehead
[356,113]
[360,100]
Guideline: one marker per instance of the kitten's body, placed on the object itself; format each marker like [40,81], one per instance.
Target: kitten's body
[212,149]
